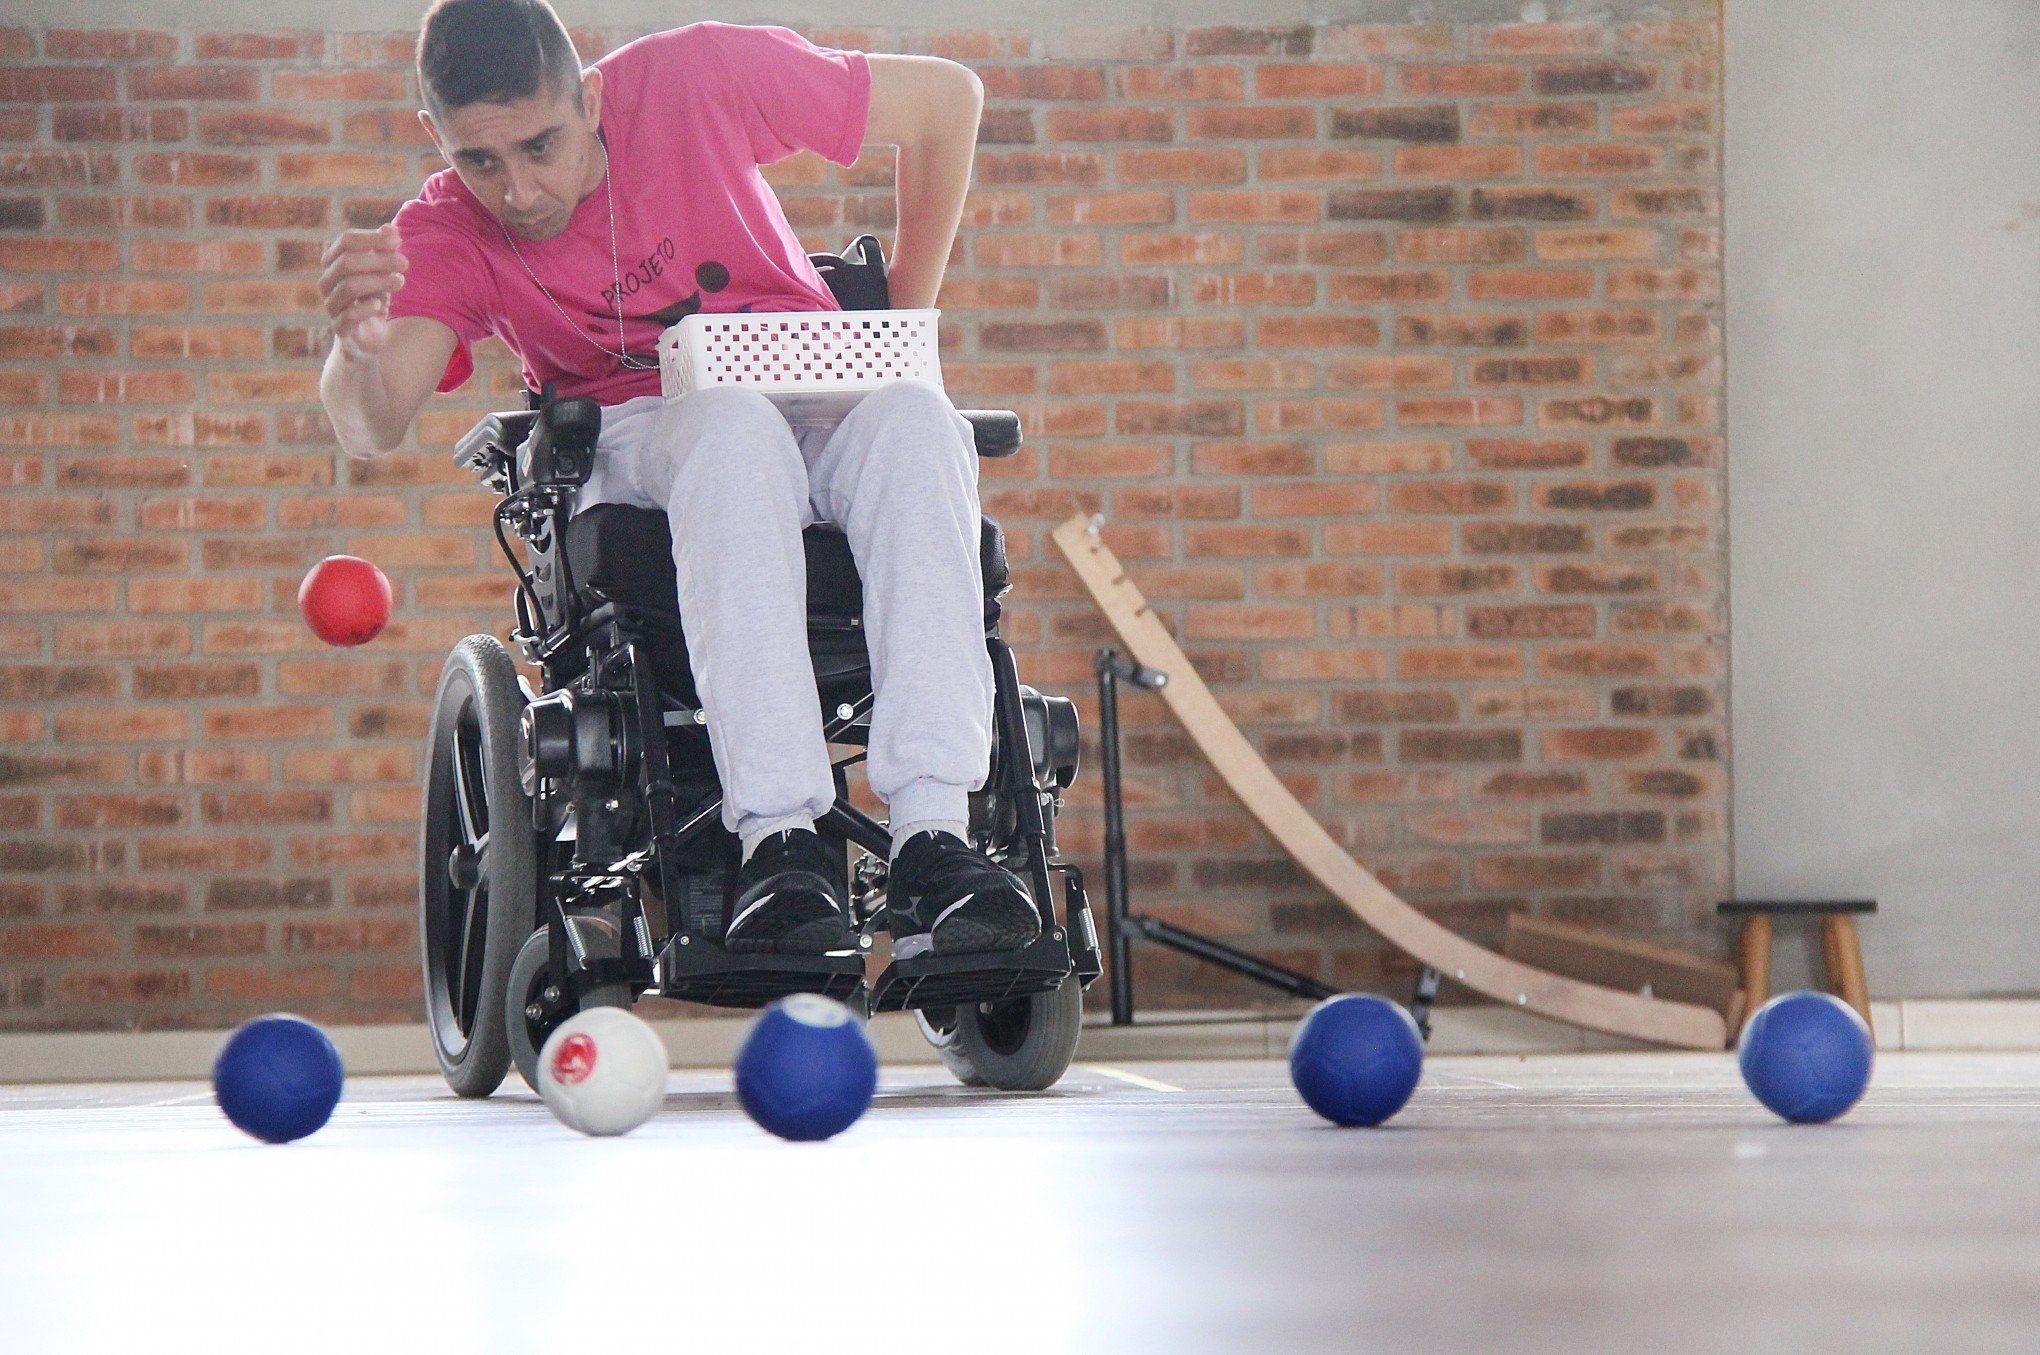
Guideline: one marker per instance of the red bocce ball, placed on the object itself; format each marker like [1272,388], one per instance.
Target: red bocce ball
[345,599]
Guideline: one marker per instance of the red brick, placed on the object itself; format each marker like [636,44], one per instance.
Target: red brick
[1077,378]
[1253,289]
[1253,207]
[194,82]
[1450,245]
[1039,251]
[1541,39]
[1388,458]
[1597,411]
[1597,326]
[1251,123]
[1315,499]
[1566,159]
[1116,44]
[1409,122]
[1339,580]
[1595,77]
[54,941]
[1179,332]
[270,212]
[1181,166]
[1292,331]
[1662,119]
[1474,412]
[338,169]
[260,46]
[123,298]
[267,983]
[1540,119]
[197,169]
[1112,124]
[1246,540]
[1045,82]
[1521,454]
[337,86]
[1386,40]
[243,808]
[1163,248]
[1317,80]
[1189,83]
[1478,329]
[1401,372]
[1529,284]
[1234,374]
[55,84]
[1400,286]
[102,44]
[1318,163]
[1459,162]
[1606,742]
[1471,79]
[1537,872]
[58,169]
[60,255]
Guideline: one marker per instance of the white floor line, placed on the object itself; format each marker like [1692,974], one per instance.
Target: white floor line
[1135,1079]
[1469,1082]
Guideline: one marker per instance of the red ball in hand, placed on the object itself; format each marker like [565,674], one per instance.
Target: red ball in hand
[345,599]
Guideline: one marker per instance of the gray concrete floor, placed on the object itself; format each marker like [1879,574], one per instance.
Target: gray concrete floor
[1619,1202]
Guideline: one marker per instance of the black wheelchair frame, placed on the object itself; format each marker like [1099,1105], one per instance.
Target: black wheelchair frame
[611,754]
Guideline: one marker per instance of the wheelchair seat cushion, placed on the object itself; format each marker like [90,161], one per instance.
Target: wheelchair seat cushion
[624,555]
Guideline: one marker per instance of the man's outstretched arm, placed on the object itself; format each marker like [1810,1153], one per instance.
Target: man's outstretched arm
[929,108]
[381,371]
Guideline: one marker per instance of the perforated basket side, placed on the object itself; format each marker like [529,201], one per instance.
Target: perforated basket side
[800,352]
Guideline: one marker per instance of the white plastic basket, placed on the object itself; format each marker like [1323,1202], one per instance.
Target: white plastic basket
[815,365]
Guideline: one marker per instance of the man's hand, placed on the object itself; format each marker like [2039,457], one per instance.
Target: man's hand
[362,269]
[380,371]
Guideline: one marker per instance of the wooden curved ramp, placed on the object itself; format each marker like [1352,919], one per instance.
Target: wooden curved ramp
[1268,800]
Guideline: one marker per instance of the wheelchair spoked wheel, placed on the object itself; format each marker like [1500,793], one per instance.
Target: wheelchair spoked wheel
[528,979]
[479,886]
[1024,1044]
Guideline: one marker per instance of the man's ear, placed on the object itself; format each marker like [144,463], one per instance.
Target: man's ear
[591,94]
[432,130]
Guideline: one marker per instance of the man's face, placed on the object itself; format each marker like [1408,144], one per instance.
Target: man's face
[530,162]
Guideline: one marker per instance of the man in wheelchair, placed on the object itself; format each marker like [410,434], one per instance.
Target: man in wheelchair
[583,213]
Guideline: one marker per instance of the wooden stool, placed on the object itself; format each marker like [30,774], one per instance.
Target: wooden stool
[1840,948]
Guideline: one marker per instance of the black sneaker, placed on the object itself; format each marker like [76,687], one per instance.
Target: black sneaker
[788,901]
[943,896]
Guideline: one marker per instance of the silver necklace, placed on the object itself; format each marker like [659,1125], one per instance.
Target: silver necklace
[622,355]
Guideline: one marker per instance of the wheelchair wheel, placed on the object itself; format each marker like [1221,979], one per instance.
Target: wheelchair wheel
[1022,1045]
[479,885]
[527,979]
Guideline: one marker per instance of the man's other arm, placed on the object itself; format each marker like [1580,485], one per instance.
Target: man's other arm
[929,108]
[381,371]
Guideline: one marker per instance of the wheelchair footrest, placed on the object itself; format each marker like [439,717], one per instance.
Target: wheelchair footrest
[697,969]
[993,976]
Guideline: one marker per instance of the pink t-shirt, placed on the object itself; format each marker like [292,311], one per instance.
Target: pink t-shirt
[689,115]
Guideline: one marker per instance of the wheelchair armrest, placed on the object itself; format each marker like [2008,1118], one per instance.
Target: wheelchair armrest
[486,448]
[997,431]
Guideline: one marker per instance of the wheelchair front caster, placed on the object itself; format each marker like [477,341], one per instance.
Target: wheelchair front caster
[1022,1044]
[479,882]
[528,1019]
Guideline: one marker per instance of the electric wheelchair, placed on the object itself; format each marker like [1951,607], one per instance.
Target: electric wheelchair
[572,843]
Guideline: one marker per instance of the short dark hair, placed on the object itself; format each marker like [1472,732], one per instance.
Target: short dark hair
[493,51]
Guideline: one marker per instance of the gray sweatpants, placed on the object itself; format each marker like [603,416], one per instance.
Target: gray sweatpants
[738,485]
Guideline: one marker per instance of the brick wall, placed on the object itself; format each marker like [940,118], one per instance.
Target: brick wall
[1391,353]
